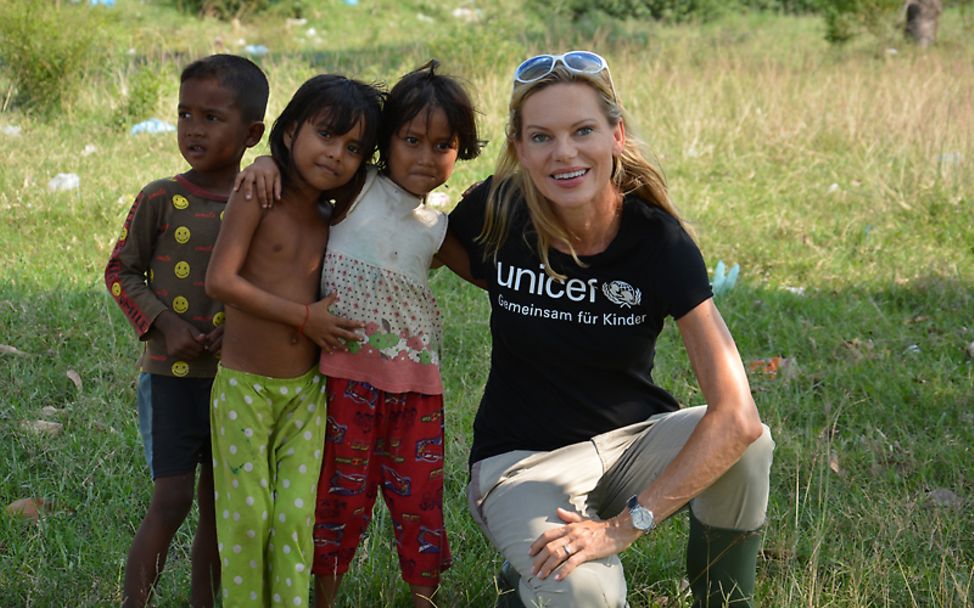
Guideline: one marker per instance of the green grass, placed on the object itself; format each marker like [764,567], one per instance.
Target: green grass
[847,173]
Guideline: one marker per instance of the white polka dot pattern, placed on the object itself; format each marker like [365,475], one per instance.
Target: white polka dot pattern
[266,417]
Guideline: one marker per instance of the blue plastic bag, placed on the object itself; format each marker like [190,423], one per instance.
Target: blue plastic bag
[724,280]
[153,125]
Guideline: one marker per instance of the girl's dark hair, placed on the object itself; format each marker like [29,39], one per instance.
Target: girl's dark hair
[425,90]
[343,102]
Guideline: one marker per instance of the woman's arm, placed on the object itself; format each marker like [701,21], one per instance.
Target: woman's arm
[730,424]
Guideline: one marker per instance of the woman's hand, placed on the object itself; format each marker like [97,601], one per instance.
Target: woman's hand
[262,176]
[328,331]
[580,540]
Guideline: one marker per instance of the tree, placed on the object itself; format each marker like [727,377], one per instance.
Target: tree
[921,20]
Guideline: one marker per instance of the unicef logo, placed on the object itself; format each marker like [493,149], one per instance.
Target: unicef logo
[622,293]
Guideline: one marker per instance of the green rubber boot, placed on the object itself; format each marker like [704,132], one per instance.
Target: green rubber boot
[721,565]
[508,580]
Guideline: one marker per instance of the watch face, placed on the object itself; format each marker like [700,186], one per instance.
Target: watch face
[642,519]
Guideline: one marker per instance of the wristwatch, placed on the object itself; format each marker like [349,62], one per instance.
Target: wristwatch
[642,518]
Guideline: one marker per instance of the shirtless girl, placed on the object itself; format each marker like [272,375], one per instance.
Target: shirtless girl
[268,401]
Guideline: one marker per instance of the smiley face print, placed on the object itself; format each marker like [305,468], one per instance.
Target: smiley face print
[180,369]
[182,235]
[179,201]
[180,304]
[181,269]
[116,289]
[218,319]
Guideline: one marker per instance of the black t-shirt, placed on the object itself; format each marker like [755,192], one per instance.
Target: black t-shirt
[574,359]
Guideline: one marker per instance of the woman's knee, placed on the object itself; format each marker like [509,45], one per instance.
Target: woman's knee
[755,463]
[739,499]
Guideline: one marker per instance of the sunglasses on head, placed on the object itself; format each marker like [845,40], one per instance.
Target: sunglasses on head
[579,62]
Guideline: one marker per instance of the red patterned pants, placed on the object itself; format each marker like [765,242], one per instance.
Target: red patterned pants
[392,441]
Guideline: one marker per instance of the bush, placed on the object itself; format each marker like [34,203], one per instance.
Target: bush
[668,10]
[783,6]
[237,9]
[846,19]
[144,90]
[676,10]
[45,50]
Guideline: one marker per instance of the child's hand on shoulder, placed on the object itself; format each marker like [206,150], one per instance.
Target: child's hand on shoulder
[182,339]
[263,177]
[328,331]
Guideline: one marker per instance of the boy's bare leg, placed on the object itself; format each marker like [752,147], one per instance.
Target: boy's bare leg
[205,558]
[326,588]
[423,596]
[171,499]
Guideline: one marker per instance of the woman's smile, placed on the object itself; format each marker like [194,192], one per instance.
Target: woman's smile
[567,146]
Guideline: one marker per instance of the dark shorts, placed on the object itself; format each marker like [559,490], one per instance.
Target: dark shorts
[174,419]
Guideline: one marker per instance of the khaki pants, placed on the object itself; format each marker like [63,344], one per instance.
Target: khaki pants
[513,497]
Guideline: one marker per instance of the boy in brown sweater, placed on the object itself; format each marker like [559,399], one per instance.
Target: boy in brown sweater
[156,275]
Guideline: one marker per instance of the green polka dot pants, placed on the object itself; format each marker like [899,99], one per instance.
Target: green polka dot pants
[267,436]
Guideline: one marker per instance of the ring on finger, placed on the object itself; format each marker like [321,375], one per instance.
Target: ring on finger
[568,550]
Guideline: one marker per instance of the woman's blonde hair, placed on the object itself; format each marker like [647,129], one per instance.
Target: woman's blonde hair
[631,172]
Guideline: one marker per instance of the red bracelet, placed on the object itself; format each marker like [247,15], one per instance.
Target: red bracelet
[307,313]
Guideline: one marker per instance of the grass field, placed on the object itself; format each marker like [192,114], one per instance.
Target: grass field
[841,180]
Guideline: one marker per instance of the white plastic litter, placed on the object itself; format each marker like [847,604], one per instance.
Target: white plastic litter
[438,200]
[89,150]
[469,15]
[153,125]
[951,158]
[64,181]
[11,130]
[256,50]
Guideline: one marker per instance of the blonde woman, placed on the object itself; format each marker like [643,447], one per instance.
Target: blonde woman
[577,453]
